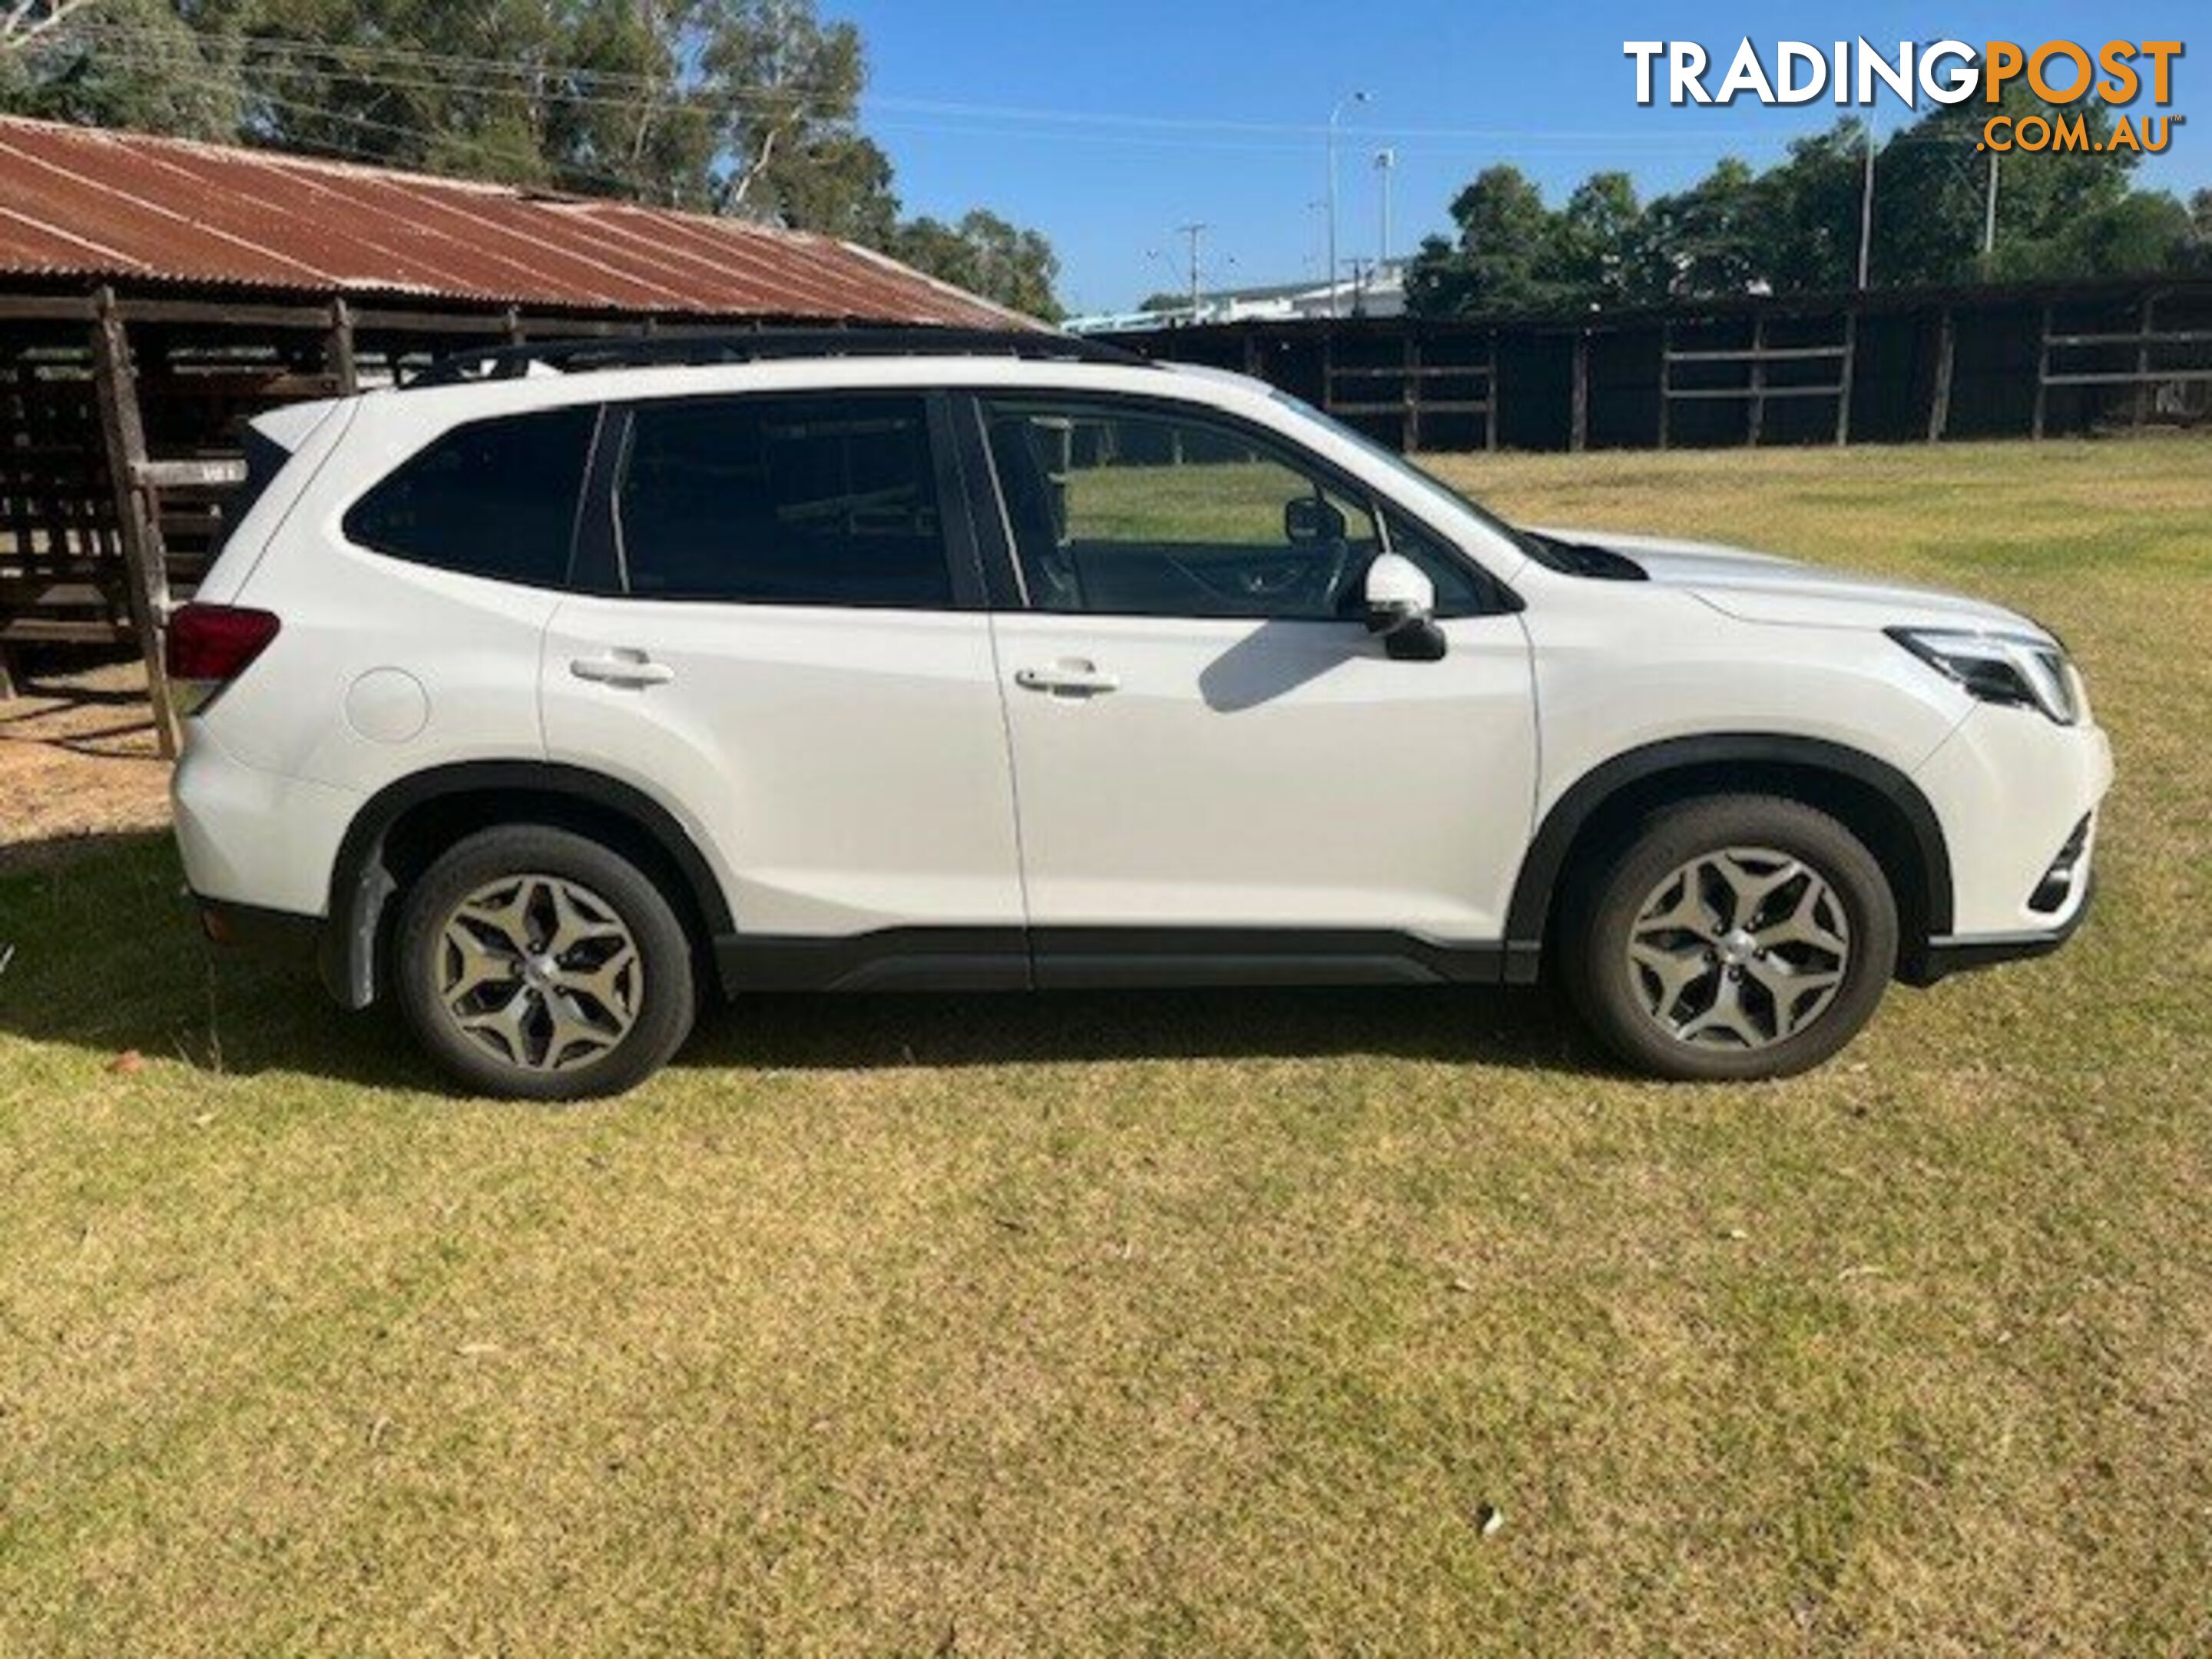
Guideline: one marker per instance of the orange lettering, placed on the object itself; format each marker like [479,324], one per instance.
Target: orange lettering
[2161,76]
[2124,84]
[2073,54]
[1999,63]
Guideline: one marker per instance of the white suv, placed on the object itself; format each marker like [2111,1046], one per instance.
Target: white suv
[553,689]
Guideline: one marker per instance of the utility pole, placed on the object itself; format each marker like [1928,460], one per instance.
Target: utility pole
[1866,209]
[1336,115]
[1990,221]
[1196,233]
[1386,163]
[1361,274]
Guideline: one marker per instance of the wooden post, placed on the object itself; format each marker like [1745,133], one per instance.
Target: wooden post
[1579,422]
[1666,376]
[1947,351]
[1755,422]
[122,432]
[2142,365]
[513,323]
[7,674]
[2042,373]
[1490,397]
[1851,365]
[337,349]
[1412,432]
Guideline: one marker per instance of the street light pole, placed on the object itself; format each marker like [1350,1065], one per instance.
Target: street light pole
[1386,162]
[1335,115]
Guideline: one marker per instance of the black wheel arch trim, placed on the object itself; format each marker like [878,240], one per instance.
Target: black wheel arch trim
[1537,886]
[362,884]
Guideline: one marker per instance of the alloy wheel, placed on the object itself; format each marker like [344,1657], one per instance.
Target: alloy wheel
[1740,949]
[540,972]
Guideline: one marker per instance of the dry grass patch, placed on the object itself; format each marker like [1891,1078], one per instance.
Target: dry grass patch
[1192,1323]
[77,761]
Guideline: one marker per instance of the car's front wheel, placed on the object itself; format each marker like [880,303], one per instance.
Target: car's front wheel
[1732,938]
[537,964]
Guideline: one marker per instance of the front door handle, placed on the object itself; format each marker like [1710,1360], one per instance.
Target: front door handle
[1070,676]
[621,668]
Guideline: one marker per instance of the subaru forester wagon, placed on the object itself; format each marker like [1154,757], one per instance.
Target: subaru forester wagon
[570,683]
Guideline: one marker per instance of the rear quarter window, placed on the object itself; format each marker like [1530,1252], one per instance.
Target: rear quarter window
[265,459]
[494,498]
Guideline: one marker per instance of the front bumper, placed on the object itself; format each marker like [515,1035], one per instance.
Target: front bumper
[2011,789]
[2019,798]
[1940,959]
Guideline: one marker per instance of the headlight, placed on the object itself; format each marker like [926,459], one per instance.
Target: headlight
[2008,668]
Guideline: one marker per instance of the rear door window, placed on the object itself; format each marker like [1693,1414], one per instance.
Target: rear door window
[493,498]
[825,498]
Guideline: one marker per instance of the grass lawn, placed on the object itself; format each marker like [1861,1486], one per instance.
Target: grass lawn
[1214,1324]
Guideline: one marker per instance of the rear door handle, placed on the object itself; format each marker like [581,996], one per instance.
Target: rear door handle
[621,668]
[1069,677]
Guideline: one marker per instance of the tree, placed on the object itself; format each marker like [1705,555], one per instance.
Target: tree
[2197,255]
[1804,214]
[117,63]
[985,255]
[738,107]
[1706,240]
[1596,241]
[26,22]
[2062,212]
[839,184]
[1932,195]
[1505,256]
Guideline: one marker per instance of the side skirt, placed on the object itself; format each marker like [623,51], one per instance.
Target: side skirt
[1081,958]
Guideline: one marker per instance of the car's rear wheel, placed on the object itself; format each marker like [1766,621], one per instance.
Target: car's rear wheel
[536,964]
[1737,937]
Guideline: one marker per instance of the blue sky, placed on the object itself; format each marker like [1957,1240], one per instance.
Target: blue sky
[1163,113]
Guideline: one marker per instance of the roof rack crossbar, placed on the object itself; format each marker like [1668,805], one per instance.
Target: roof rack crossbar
[767,344]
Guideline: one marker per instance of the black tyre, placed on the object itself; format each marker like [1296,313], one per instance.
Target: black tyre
[1737,937]
[536,964]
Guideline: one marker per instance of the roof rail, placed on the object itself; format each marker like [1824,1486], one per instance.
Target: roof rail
[572,356]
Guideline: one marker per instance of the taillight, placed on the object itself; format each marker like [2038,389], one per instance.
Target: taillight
[211,645]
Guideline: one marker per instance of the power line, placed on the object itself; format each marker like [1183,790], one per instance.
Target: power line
[545,81]
[477,145]
[688,102]
[701,101]
[528,76]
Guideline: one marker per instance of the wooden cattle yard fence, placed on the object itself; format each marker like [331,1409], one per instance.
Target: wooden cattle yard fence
[123,420]
[1886,366]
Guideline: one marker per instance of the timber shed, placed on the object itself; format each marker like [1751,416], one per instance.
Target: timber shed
[156,294]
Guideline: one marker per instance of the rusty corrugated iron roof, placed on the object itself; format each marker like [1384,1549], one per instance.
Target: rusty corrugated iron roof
[128,206]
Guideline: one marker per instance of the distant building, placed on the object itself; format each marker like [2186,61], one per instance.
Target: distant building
[1368,292]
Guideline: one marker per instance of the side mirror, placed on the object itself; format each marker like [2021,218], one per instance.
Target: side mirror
[1310,518]
[1400,603]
